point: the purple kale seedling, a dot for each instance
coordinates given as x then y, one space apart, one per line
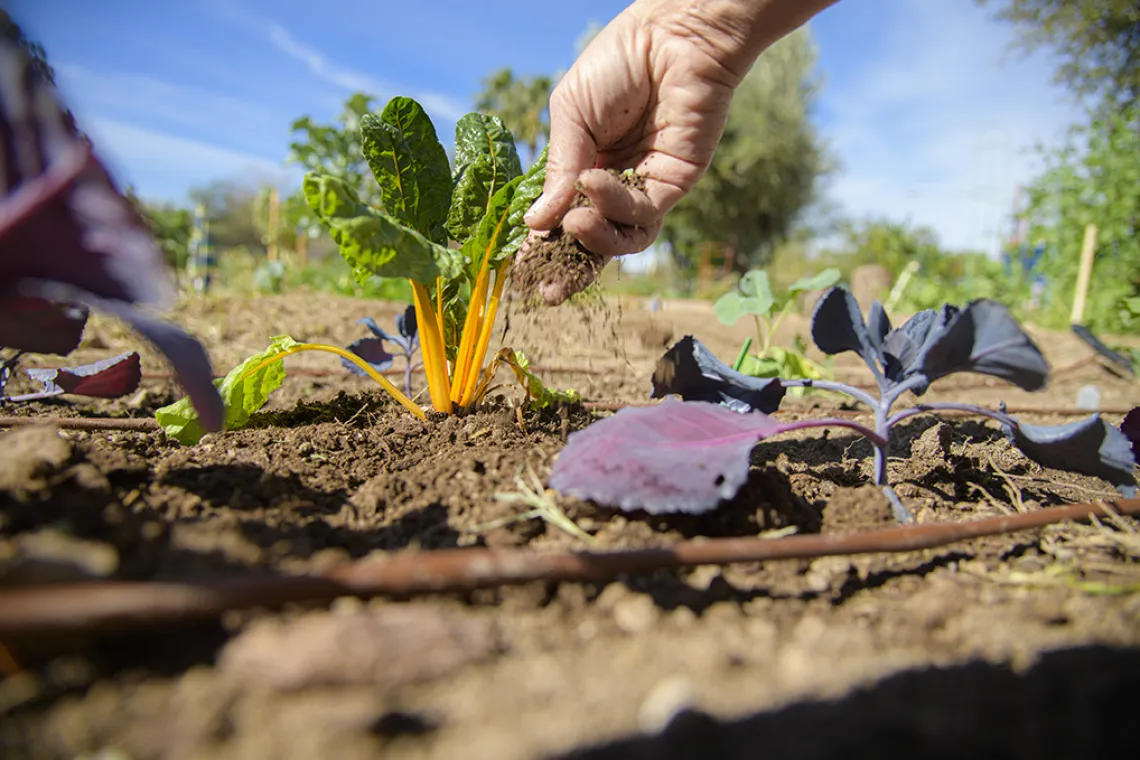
687 456
373 350
70 240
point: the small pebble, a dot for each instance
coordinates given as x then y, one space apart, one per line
1088 398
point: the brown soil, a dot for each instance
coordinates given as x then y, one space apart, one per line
559 259
1022 645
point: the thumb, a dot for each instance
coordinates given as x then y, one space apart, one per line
571 151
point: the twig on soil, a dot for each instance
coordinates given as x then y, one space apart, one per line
542 505
126 604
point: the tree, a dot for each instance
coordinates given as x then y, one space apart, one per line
171 226
334 149
1097 42
767 168
1093 180
230 207
522 103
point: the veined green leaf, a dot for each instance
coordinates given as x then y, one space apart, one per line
372 242
821 281
541 396
525 195
491 234
486 159
241 396
410 166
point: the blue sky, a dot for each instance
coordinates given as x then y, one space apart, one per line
931 116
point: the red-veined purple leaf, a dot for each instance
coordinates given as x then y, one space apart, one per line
38 326
107 378
676 456
68 235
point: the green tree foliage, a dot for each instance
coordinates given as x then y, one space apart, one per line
334 149
1093 180
523 103
767 168
170 225
230 206
1096 42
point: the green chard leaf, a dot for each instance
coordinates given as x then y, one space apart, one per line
525 195
486 159
372 242
490 235
410 166
241 396
541 396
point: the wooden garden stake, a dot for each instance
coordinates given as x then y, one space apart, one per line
1084 275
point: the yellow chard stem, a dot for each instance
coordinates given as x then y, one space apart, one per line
439 304
434 356
471 382
471 327
384 382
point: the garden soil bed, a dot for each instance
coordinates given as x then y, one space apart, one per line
1022 645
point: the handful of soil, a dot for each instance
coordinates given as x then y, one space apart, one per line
553 268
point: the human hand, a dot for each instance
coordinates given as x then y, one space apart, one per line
650 93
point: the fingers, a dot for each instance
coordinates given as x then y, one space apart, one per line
572 149
599 235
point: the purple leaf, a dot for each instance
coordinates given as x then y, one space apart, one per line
372 351
1130 426
983 338
38 326
1090 446
691 371
107 378
406 324
68 235
837 326
676 456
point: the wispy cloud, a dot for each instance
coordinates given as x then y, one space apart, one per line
939 126
356 81
192 111
164 165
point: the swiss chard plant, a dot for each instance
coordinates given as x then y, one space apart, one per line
70 241
754 297
686 456
450 231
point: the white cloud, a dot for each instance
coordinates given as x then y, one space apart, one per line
938 125
162 166
356 81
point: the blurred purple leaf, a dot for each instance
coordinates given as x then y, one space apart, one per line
107 378
68 235
691 371
676 456
1090 446
38 326
372 351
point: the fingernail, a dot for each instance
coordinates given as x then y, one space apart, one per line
536 208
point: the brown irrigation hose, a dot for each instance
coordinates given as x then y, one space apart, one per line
117 605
